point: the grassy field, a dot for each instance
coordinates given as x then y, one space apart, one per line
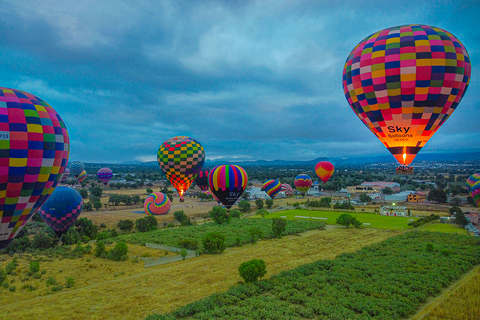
329 217
443 227
107 289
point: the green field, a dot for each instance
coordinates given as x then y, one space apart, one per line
329 217
444 227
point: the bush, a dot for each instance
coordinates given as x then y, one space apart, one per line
189 244
252 270
100 249
11 267
269 203
19 245
235 214
146 224
69 282
51 281
70 237
103 226
219 215
119 252
244 206
33 267
259 203
347 220
255 234
429 247
183 253
85 227
278 226
181 217
214 242
43 241
125 225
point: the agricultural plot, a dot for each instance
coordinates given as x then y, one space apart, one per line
388 280
329 217
444 227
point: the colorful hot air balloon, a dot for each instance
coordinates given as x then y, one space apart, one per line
34 149
475 192
76 168
404 82
105 174
471 181
272 187
324 170
62 209
65 175
287 189
202 180
227 183
157 203
303 182
181 158
82 176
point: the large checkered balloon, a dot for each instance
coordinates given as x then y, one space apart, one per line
404 82
34 149
62 209
181 158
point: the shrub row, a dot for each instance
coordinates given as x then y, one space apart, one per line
424 220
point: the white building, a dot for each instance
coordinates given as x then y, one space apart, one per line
394 211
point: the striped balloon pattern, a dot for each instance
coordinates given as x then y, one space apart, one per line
227 183
287 189
65 175
303 182
471 181
105 174
34 150
404 82
475 192
324 170
76 168
181 159
202 180
157 203
272 187
82 176
62 209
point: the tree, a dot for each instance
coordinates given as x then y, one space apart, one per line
219 215
149 191
387 190
115 199
119 252
471 202
97 205
245 195
125 225
455 201
85 227
181 217
252 270
244 206
183 253
43 241
235 213
100 249
88 206
146 224
438 195
364 197
71 237
278 226
347 220
269 203
460 219
255 234
214 242
83 193
259 204
325 202
96 191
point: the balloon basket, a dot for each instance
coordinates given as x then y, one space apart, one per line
182 200
404 170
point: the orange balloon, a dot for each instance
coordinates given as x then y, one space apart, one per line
324 170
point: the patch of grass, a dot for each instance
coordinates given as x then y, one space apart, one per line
444 227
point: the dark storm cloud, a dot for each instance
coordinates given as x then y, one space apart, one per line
249 79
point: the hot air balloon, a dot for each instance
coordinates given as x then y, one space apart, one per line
287 189
324 170
62 209
157 203
404 82
105 174
76 168
34 149
303 182
471 181
272 187
202 180
65 175
475 192
181 158
82 176
227 183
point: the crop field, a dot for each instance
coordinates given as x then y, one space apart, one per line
329 217
443 227
106 289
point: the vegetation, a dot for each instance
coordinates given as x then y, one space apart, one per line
438 195
259 203
181 217
424 220
348 220
244 206
214 242
269 203
219 215
125 225
278 227
252 270
146 224
381 281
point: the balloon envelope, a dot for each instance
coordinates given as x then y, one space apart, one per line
157 203
475 191
471 181
76 168
227 183
303 182
287 189
404 82
272 187
202 180
82 176
62 209
181 159
324 170
105 174
34 148
65 175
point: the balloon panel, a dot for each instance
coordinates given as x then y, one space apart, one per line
76 168
303 182
105 174
287 189
34 149
404 82
227 183
181 158
471 181
324 170
272 187
62 209
157 203
82 176
202 180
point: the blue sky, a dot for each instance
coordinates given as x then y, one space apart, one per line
250 80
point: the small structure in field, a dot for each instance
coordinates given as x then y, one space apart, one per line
394 211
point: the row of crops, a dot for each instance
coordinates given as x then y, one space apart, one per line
388 280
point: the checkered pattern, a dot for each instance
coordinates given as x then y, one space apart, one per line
65 175
181 158
105 174
272 187
411 76
324 170
62 209
157 203
303 182
471 181
82 176
287 189
475 192
34 149
76 168
202 180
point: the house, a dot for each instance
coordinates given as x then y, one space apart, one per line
394 211
417 197
398 197
378 186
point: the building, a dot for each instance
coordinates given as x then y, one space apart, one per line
375 187
398 197
474 217
417 197
394 211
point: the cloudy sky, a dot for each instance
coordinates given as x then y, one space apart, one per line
248 79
